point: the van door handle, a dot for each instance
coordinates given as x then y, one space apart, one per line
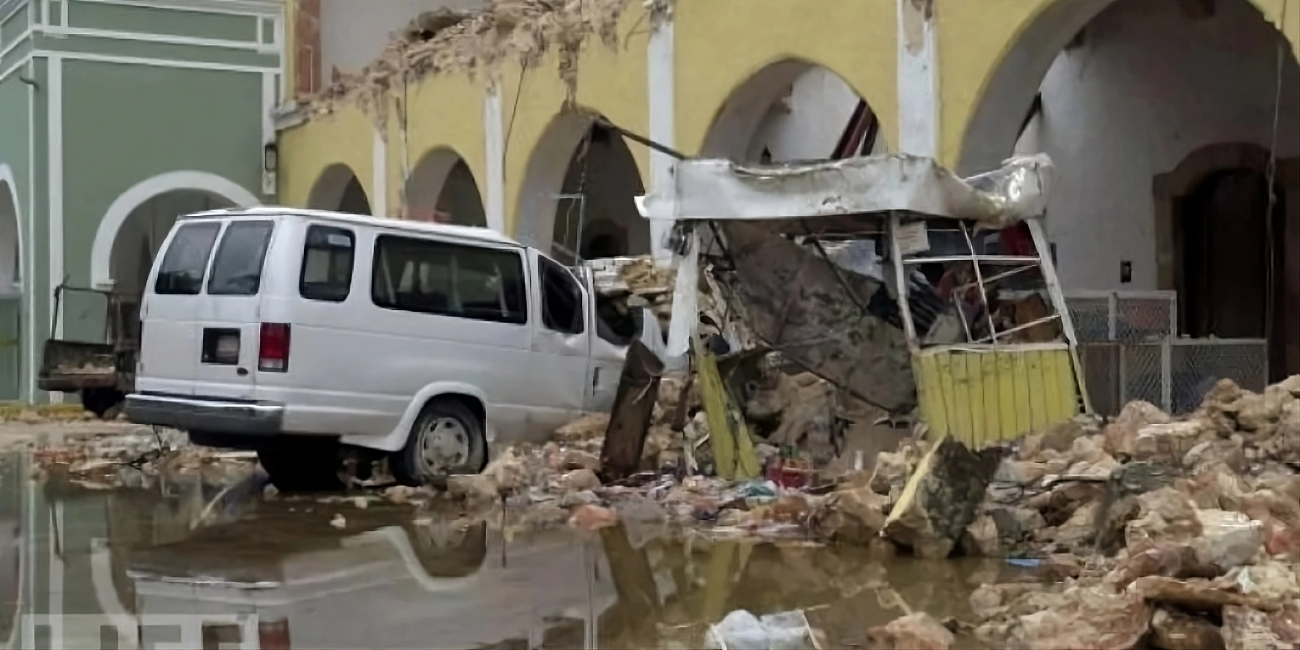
242 372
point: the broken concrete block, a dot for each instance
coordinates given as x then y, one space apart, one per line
1196 594
474 488
890 473
1175 630
1205 455
981 538
1167 443
851 516
1246 628
1164 515
941 498
1227 540
591 517
912 632
1084 619
1016 523
1019 472
1121 434
579 480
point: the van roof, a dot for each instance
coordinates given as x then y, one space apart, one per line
470 233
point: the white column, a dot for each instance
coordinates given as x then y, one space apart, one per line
495 147
918 84
379 178
55 197
663 123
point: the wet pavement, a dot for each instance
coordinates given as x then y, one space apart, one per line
187 563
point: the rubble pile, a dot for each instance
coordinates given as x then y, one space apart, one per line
446 41
136 457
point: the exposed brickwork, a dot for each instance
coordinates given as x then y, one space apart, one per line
307 48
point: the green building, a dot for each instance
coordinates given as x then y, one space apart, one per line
116 116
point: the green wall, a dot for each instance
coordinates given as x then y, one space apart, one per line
14 154
162 120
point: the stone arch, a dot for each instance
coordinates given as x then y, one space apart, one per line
13 358
442 184
1006 95
792 109
218 192
572 146
11 239
339 188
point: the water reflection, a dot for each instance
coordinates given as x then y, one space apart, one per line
196 565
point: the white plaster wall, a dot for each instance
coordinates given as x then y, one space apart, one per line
808 123
355 32
1147 87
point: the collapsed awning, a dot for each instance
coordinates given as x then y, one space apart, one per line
724 190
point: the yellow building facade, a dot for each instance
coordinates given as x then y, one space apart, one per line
949 66
968 82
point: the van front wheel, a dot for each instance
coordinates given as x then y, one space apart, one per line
447 438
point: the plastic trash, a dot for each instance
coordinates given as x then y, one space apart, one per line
741 630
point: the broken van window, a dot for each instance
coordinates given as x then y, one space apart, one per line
186 259
237 270
435 277
561 299
327 264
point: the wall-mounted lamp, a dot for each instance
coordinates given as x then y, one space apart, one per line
30 82
271 158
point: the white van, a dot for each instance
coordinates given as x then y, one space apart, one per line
292 331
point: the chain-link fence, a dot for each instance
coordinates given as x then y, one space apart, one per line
1123 316
1173 374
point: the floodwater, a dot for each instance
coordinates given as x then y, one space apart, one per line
186 565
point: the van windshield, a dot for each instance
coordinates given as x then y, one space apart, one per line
186 260
237 269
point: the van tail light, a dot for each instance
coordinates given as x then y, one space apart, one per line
273 348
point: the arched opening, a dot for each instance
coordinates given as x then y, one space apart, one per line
585 207
1120 94
339 189
10 293
442 188
141 235
793 110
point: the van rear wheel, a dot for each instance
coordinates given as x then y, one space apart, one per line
302 468
447 438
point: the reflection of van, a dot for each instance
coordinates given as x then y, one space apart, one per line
287 331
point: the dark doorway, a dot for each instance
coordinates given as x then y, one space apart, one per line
354 198
1232 262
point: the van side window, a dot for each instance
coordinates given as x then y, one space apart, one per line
186 259
561 298
237 269
433 277
327 264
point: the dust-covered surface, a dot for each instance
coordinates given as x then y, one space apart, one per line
1148 531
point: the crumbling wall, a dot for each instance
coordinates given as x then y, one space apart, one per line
445 41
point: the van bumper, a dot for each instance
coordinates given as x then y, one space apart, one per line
206 415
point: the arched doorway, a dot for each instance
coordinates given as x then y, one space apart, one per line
339 189
11 293
578 194
1118 92
141 235
793 110
442 188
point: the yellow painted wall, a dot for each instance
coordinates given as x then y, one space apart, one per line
306 151
445 112
721 43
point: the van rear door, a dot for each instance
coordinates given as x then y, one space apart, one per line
229 326
167 364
